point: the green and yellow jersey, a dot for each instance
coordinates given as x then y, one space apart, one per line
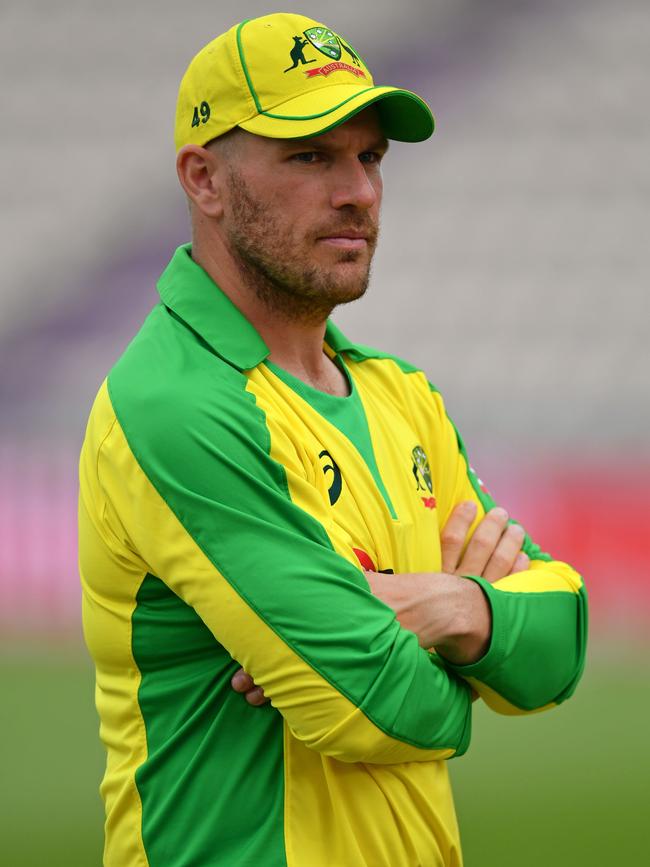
227 511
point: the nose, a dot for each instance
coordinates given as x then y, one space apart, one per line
353 186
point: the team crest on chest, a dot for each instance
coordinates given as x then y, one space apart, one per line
422 476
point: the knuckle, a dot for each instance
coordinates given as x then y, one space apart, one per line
482 542
500 561
516 532
452 537
497 515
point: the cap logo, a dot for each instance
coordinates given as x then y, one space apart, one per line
334 67
296 54
329 44
325 41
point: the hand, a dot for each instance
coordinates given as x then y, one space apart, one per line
494 549
451 614
243 682
493 552
444 610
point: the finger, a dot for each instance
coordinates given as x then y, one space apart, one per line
256 696
521 563
483 543
241 681
454 534
502 561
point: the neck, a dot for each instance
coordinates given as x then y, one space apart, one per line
294 344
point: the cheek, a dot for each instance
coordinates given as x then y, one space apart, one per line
296 211
378 186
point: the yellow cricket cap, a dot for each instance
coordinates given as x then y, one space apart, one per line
287 76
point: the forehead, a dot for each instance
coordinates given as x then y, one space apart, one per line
365 124
361 131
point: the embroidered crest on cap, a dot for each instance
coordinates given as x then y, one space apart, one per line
329 44
325 41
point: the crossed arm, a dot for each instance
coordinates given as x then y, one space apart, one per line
443 609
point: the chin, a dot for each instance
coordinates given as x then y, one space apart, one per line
344 293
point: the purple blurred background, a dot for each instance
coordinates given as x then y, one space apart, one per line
513 266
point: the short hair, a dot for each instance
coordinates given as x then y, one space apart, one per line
225 145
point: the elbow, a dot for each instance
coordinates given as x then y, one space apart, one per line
545 686
355 738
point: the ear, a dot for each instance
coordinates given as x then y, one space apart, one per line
200 172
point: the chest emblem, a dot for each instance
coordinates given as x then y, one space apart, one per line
422 476
332 475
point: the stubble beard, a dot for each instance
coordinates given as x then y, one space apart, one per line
272 266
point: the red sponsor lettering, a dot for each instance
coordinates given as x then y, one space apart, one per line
429 502
365 560
335 66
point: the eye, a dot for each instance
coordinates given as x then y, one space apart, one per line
370 157
306 157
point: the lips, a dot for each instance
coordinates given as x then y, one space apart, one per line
348 233
346 243
354 239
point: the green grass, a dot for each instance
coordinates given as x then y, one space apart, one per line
50 811
569 787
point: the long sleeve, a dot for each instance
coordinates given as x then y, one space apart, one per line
539 617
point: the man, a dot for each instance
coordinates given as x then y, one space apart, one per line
266 505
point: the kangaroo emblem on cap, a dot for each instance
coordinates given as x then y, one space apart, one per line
296 54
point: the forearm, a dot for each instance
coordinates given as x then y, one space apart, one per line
445 611
538 645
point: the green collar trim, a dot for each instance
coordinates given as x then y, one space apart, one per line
335 338
195 298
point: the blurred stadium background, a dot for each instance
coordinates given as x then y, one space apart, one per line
514 269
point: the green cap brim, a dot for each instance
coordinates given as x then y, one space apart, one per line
402 114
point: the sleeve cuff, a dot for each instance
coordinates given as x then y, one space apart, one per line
492 659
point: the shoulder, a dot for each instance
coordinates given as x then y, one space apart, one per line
361 354
171 393
393 374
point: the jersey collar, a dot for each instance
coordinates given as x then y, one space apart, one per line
335 338
195 298
187 290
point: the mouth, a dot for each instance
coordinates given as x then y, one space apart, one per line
345 243
347 239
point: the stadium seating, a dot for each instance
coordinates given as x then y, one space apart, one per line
513 266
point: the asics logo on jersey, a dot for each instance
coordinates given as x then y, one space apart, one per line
335 480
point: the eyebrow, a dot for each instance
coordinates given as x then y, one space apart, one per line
316 142
381 144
